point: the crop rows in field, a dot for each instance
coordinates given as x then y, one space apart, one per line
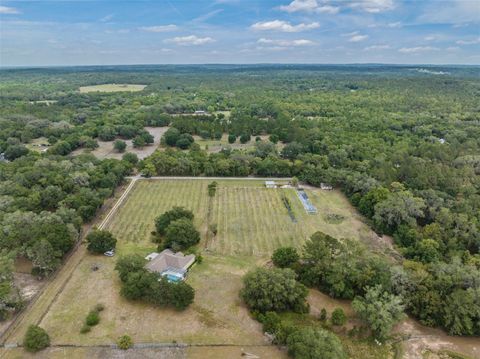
250 219
134 220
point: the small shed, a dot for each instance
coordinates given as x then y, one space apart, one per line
270 184
325 187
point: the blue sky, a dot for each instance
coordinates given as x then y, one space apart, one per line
91 32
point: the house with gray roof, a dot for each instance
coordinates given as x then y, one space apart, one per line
169 264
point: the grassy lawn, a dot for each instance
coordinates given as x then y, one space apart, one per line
251 219
112 88
213 145
38 144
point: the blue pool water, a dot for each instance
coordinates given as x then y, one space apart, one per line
173 278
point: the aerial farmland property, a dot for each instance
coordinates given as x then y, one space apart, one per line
160 199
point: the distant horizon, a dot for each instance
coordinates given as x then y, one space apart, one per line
242 64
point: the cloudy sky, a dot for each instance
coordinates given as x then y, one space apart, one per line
88 32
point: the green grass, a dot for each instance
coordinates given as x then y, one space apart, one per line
112 88
251 219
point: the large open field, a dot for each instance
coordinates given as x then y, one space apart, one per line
112 88
251 219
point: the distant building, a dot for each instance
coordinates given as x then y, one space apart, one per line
270 184
200 112
169 264
325 186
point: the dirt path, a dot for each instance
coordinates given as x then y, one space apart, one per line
421 338
433 339
42 302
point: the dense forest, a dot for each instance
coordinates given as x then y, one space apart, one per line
402 142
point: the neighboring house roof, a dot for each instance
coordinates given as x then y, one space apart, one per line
168 260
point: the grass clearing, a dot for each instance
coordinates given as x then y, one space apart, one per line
213 145
112 88
105 148
38 144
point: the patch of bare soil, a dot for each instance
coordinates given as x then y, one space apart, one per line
28 285
420 339
423 339
105 148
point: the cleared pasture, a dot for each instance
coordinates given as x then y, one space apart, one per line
105 148
112 88
251 219
213 145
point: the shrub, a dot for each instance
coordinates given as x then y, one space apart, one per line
170 137
129 264
232 139
183 143
273 290
119 145
181 234
379 309
85 329
36 339
323 315
273 138
99 307
310 343
162 221
92 318
130 157
182 295
285 257
244 138
338 317
125 342
270 321
100 241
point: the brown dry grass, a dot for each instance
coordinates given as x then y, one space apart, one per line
112 88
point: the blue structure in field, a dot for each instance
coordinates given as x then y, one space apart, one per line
309 207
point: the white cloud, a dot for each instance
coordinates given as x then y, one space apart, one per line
159 28
355 36
372 6
107 18
299 42
469 42
452 48
430 38
310 6
190 40
413 50
334 6
376 47
394 25
8 10
207 16
283 26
